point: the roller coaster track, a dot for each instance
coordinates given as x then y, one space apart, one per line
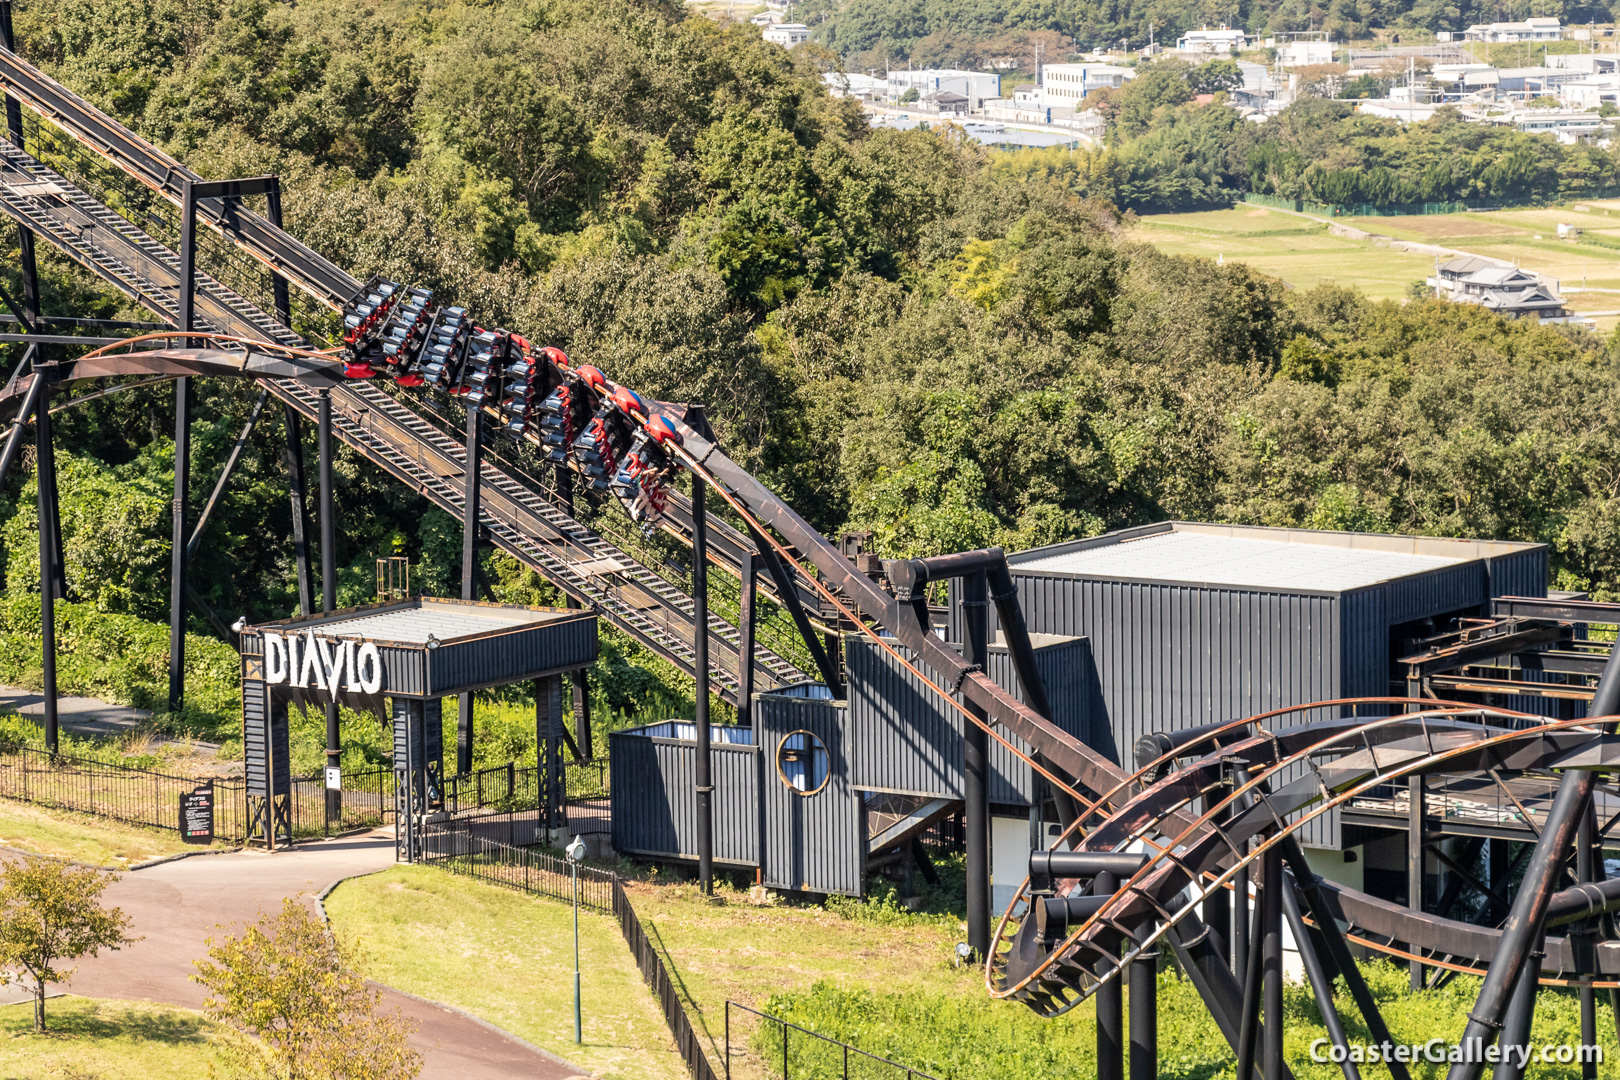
1202 822
1194 854
414 450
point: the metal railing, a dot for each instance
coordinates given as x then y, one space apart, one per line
826 1057
518 868
662 986
145 797
119 792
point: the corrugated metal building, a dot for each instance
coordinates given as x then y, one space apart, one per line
1191 624
906 740
653 782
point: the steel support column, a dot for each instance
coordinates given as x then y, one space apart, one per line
1321 982
700 667
1109 996
182 454
1144 995
1271 906
582 688
334 745
747 582
1415 843
1581 938
470 490
1249 1016
976 766
300 511
1240 895
50 554
1520 1016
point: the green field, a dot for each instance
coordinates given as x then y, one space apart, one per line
1301 252
1295 249
89 1038
40 831
508 958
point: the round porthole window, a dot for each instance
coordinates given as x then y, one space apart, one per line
801 762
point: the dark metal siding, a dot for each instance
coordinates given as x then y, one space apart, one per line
1523 573
905 738
264 726
654 801
815 843
1170 657
512 656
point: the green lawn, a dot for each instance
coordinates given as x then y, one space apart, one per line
508 958
81 837
1299 251
878 978
89 1039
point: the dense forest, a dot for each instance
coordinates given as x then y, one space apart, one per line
900 331
927 33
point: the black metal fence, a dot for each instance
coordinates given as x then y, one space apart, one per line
145 797
808 1056
135 796
663 987
517 868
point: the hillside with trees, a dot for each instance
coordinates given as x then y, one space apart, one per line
900 331
975 33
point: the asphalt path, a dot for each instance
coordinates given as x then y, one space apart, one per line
176 906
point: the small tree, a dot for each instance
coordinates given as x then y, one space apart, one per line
288 984
51 911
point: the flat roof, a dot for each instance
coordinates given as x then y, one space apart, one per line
409 622
1255 557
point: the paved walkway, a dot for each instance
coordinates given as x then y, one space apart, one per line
88 716
177 905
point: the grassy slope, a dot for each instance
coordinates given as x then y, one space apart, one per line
88 1038
509 959
78 836
883 980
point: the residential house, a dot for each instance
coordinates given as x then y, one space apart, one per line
1510 290
1205 42
1540 29
787 34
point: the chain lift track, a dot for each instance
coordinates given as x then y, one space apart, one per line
519 519
1199 814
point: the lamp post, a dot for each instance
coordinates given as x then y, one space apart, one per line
576 852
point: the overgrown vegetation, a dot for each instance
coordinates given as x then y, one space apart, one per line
970 1037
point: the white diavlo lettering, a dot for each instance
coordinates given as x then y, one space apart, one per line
275 659
310 662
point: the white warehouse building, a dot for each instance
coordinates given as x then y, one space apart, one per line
976 86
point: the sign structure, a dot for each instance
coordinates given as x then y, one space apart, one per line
197 815
309 661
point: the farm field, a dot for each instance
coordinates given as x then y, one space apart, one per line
1301 252
1295 249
